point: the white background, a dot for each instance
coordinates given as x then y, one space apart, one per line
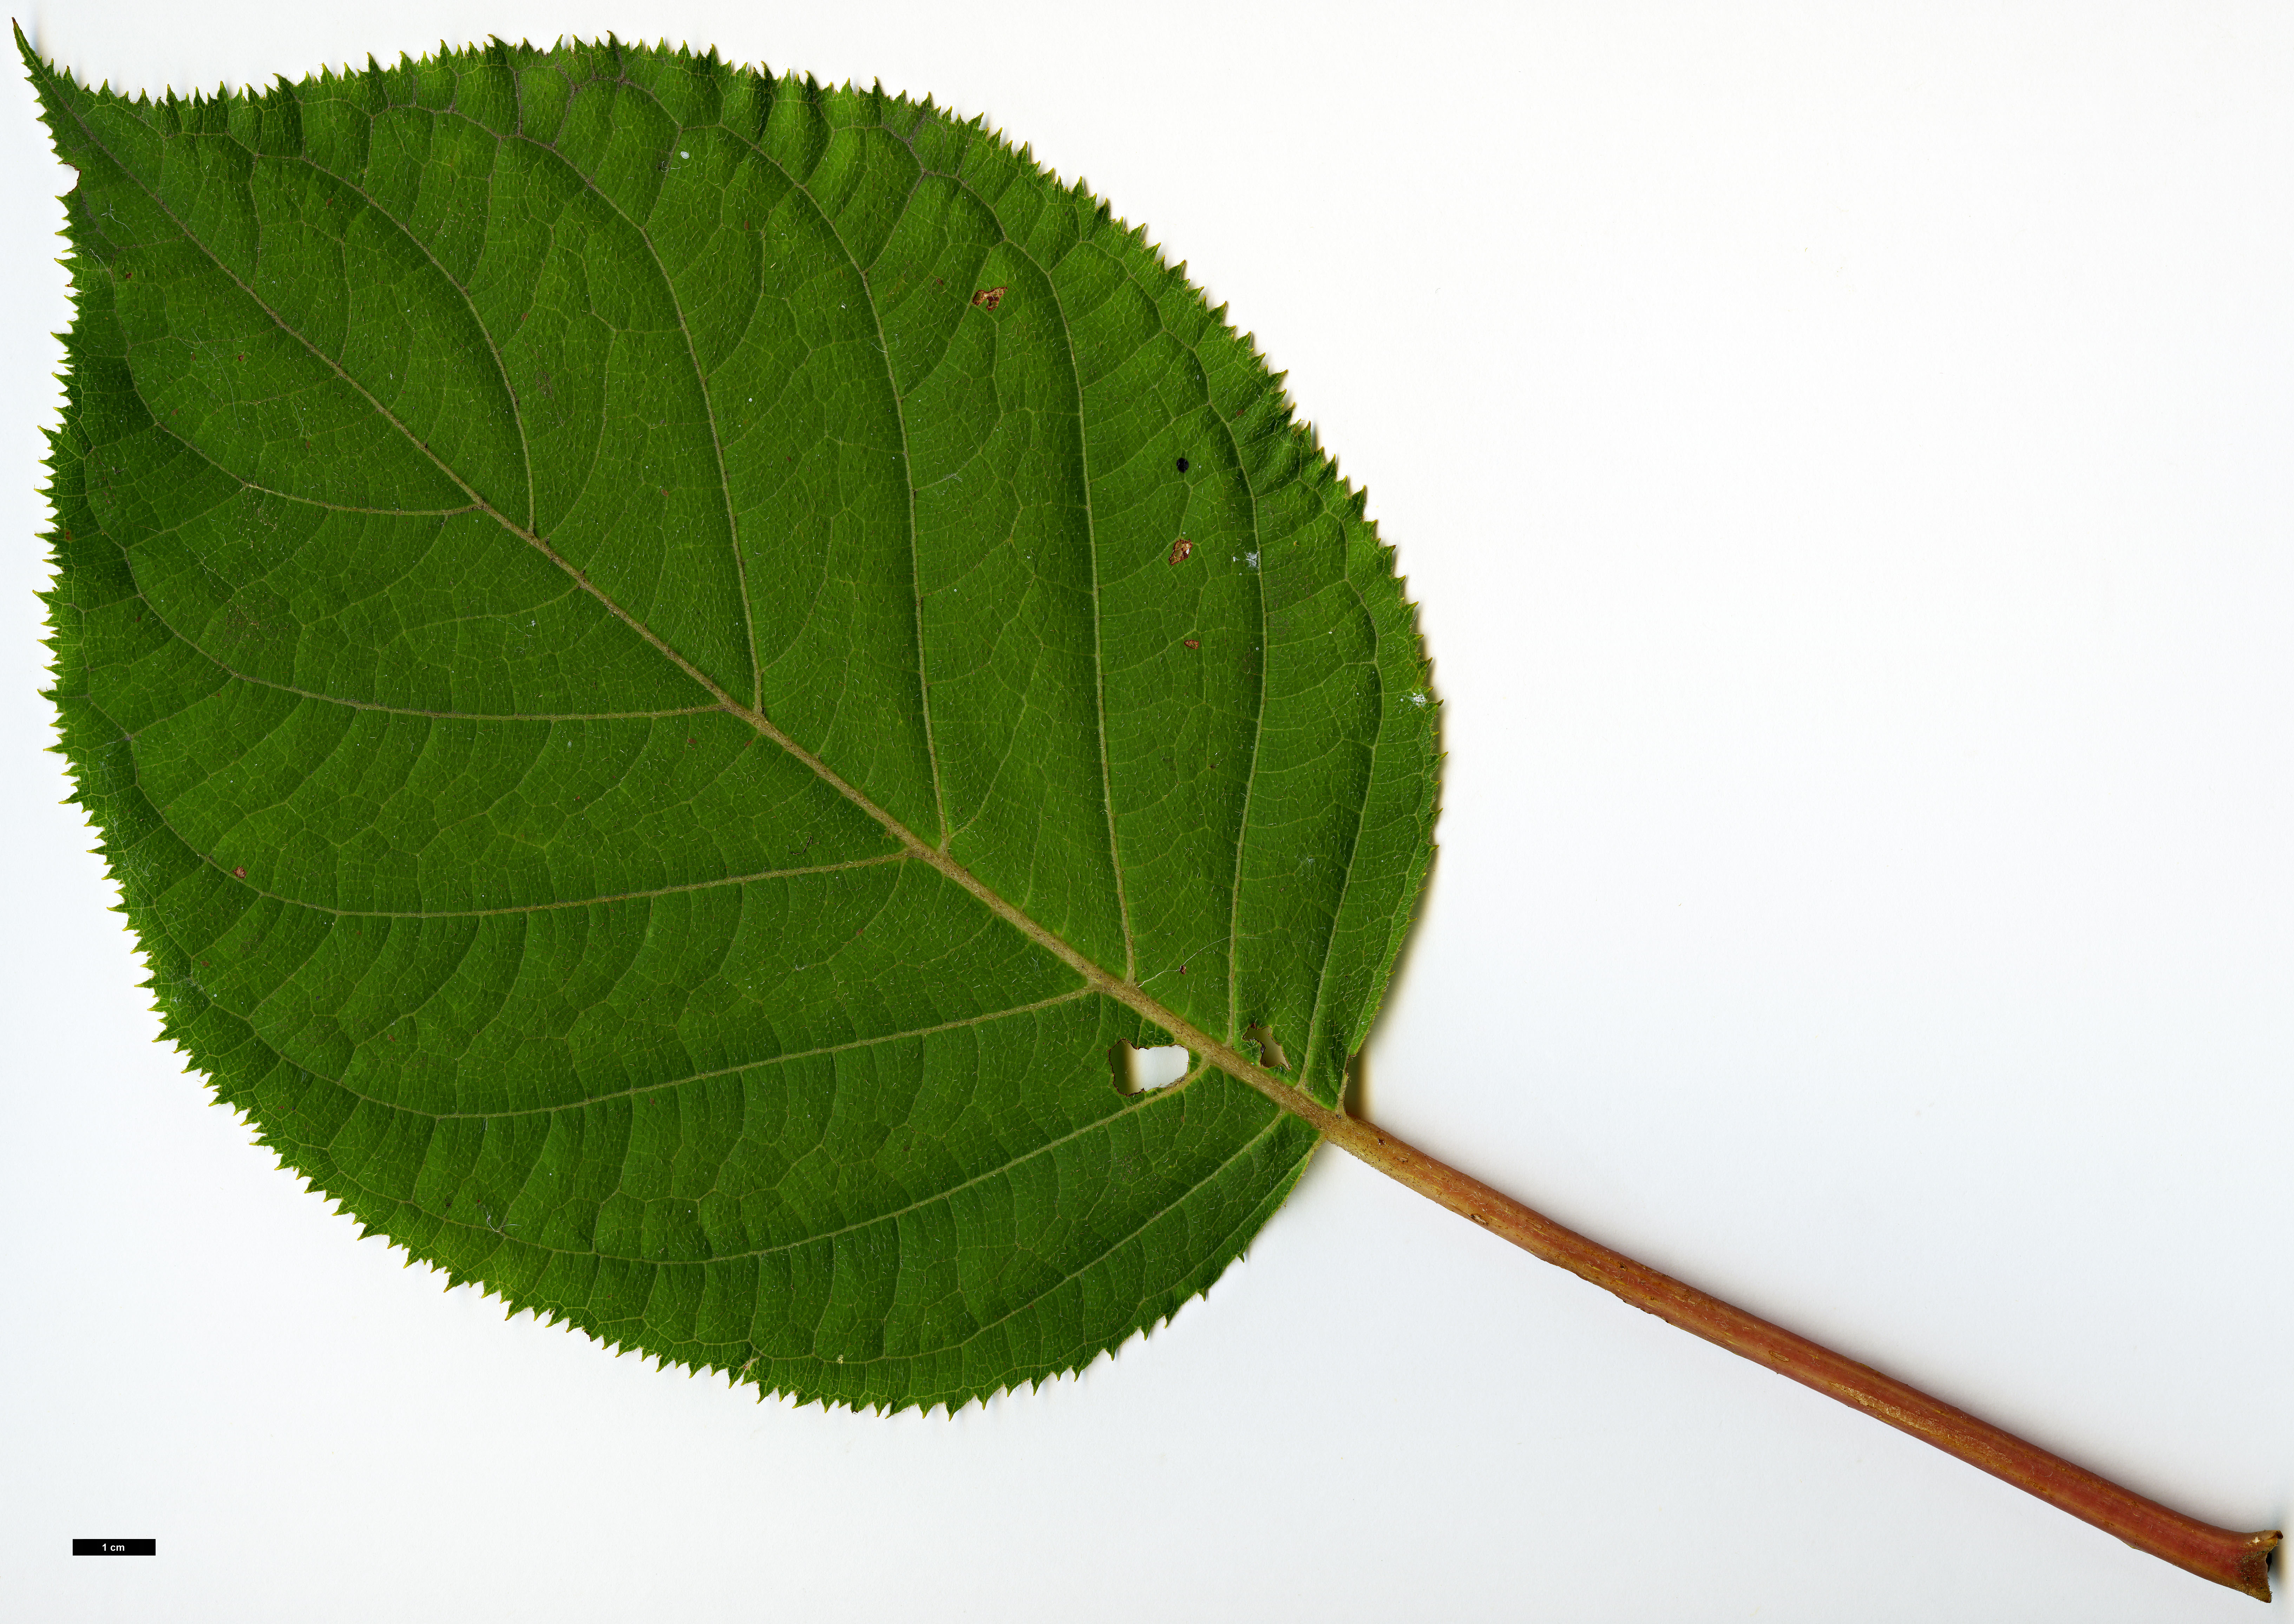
1843 456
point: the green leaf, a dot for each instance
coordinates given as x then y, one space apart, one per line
669 661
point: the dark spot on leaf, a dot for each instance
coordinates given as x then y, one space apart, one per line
1183 969
1179 549
988 298
1192 642
239 873
1183 465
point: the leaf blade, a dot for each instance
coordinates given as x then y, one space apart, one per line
643 981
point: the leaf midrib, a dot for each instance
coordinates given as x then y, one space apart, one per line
1291 1097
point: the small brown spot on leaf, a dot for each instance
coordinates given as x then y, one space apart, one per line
988 298
239 873
1179 549
1183 969
1192 642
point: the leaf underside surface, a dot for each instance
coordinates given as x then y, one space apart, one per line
668 659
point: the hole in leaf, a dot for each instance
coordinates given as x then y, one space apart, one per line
1270 1053
1143 1071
